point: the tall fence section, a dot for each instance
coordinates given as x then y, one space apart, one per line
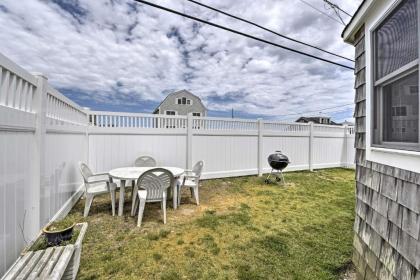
43 135
229 147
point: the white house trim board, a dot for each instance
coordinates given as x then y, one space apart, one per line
357 21
407 160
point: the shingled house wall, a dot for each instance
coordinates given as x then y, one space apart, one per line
387 224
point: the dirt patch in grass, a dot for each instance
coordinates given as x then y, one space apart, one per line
243 229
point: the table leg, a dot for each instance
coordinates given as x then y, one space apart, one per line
121 203
175 194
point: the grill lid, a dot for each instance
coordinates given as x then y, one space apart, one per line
278 156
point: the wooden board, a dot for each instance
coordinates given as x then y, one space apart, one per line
44 264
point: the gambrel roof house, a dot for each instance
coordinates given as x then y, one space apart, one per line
181 102
385 34
317 120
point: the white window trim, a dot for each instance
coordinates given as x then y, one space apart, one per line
404 159
176 113
201 114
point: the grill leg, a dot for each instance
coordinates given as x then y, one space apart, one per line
267 180
282 177
278 179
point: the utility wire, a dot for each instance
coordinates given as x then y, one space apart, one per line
335 6
330 113
316 111
243 34
325 14
328 5
269 30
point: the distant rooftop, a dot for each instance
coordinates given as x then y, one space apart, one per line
317 120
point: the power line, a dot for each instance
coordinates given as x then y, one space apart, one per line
316 111
325 14
331 113
340 112
241 33
269 30
335 6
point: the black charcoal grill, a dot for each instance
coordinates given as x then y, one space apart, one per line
278 161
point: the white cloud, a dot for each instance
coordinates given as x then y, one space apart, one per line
118 51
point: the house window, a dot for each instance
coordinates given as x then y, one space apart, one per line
183 101
170 113
396 80
399 111
196 114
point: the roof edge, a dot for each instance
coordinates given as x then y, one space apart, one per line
356 22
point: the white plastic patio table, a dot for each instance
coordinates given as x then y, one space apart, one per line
133 173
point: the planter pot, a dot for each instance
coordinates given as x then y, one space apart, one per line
55 237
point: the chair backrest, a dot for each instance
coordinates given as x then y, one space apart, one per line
145 161
198 168
85 170
155 181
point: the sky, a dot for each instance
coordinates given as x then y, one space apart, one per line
118 55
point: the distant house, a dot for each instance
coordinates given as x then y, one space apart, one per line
181 102
348 123
317 120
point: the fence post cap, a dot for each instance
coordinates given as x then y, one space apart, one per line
39 74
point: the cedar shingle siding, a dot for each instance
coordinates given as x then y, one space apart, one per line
387 225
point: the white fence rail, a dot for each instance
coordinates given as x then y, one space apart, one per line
43 135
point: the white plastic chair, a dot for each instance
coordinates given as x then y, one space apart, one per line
152 186
96 184
192 181
145 161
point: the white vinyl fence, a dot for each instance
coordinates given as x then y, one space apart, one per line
43 135
229 147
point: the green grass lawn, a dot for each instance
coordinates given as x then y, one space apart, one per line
243 229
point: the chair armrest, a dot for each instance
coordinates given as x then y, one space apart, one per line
189 173
101 174
192 176
98 181
99 177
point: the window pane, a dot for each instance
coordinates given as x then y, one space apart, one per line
397 39
401 110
